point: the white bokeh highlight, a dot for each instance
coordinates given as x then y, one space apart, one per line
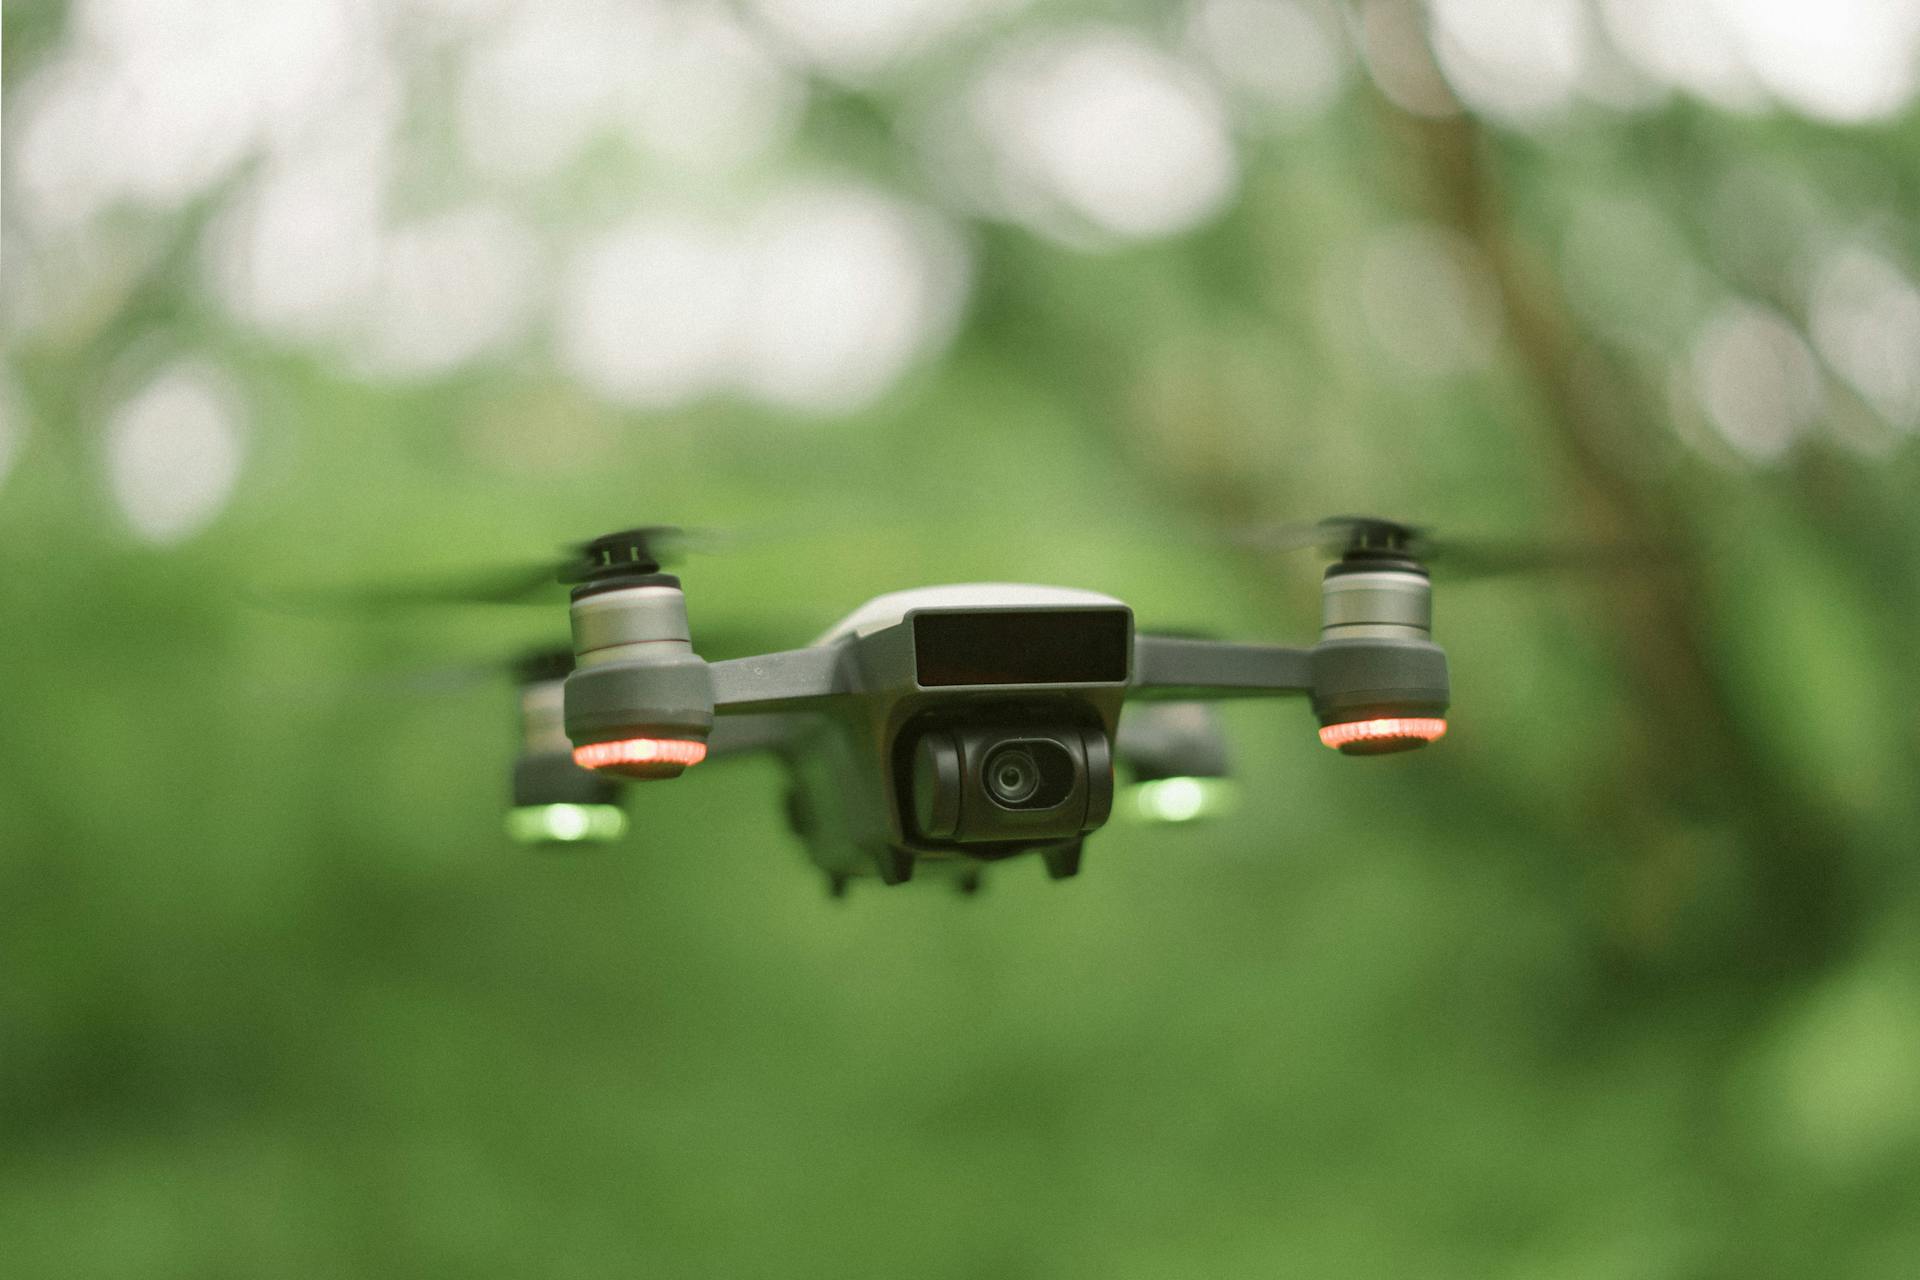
153 100
817 297
539 85
1756 380
1864 318
818 301
846 287
1287 56
690 86
1517 63
298 254
173 452
715 99
857 40
1095 134
1684 45
450 289
647 309
1841 61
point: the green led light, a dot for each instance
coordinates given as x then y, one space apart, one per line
566 823
1182 799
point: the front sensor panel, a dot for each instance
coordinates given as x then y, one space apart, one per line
1021 646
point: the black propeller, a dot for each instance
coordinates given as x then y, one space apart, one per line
617 555
1361 538
636 552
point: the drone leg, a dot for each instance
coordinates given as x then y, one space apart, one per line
896 865
968 884
837 884
1062 861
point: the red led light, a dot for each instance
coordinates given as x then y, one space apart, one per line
1409 731
630 753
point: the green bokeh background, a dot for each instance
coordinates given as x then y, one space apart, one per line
1618 981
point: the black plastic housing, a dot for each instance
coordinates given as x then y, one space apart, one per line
952 800
553 778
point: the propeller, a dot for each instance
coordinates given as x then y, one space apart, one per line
1360 537
617 555
637 551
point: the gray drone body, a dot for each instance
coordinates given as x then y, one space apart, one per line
953 727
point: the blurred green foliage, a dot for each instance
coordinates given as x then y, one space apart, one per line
1619 981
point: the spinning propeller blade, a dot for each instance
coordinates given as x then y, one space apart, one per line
641 550
1358 537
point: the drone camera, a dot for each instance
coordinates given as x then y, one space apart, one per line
998 783
1035 773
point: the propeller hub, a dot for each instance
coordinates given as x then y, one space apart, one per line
1368 543
628 558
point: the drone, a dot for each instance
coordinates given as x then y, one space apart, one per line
941 730
1174 756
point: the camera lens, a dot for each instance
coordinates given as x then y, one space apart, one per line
1012 775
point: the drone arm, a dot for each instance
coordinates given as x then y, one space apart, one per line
792 680
1181 668
736 735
